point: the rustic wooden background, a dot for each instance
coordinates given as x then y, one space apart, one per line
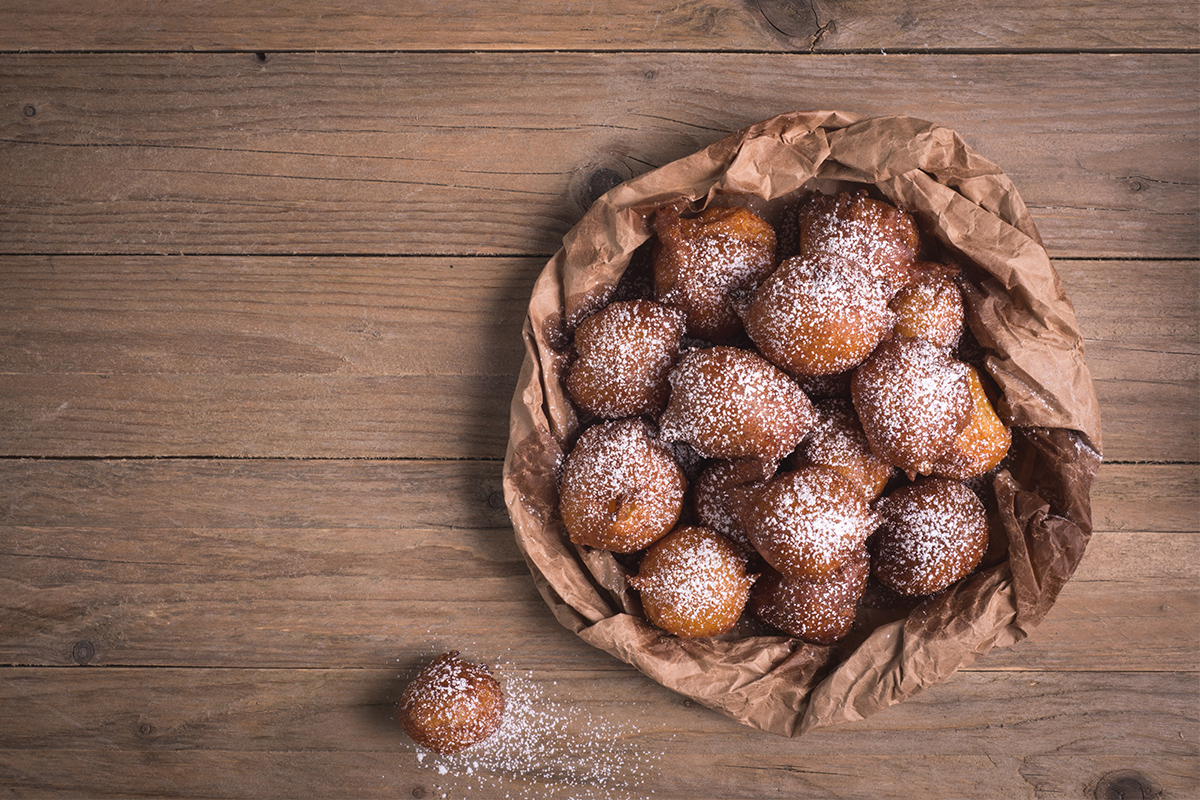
263 268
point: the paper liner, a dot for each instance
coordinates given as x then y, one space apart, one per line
1017 310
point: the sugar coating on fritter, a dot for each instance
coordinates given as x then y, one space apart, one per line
821 613
451 705
730 403
625 352
719 494
982 445
819 315
912 399
621 490
873 234
934 532
837 441
693 583
809 522
930 307
700 262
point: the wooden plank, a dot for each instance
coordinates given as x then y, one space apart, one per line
825 25
410 153
415 356
287 564
578 733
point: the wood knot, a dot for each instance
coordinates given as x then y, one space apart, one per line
29 111
418 792
1126 784
589 183
83 652
804 20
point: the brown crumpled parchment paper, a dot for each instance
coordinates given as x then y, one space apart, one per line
1017 309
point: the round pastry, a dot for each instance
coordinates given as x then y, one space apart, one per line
819 315
720 493
934 532
981 445
931 306
809 522
451 705
874 235
693 583
699 262
913 400
821 613
625 352
730 403
621 490
838 441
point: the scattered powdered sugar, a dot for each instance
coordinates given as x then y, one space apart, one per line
545 748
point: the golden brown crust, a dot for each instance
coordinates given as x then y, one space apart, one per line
621 490
700 262
693 583
982 445
809 522
878 237
930 307
913 400
451 705
819 315
821 613
730 403
934 532
625 352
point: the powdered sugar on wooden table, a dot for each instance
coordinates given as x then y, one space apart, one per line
545 748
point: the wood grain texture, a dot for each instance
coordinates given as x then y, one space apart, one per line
415 356
407 153
1031 734
328 563
711 25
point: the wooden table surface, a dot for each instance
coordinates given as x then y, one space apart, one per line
263 268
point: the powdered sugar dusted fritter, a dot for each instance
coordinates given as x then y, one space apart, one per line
934 532
693 583
819 315
931 306
621 490
878 237
838 441
451 705
982 445
809 522
699 262
625 352
730 403
821 613
912 399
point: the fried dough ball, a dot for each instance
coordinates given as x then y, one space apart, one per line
693 583
809 522
730 403
931 306
699 262
819 315
625 352
934 532
981 445
720 493
821 613
838 441
873 234
451 705
621 490
913 400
